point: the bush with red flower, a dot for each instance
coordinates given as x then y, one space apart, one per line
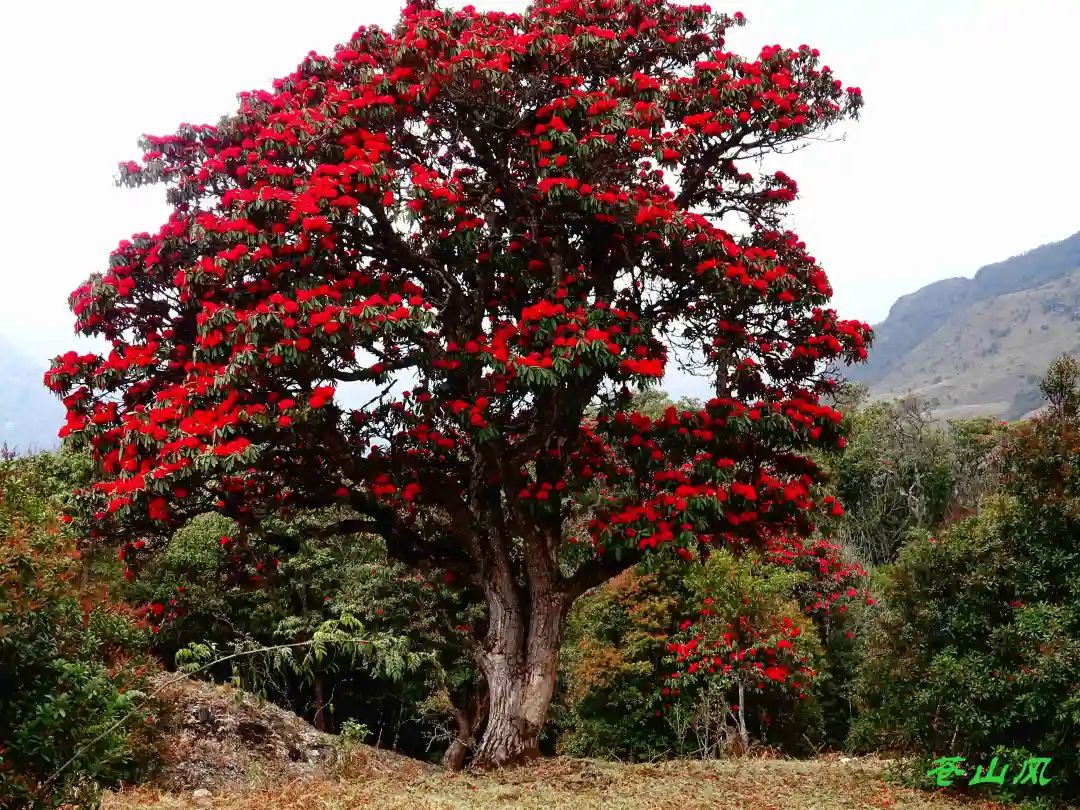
733 652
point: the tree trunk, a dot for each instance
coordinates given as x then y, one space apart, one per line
519 666
454 758
469 717
320 705
509 737
744 736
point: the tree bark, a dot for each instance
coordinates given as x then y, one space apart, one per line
520 664
456 754
469 717
458 751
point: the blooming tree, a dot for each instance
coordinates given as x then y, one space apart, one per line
747 638
504 222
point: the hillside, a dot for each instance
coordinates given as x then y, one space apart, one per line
29 414
979 345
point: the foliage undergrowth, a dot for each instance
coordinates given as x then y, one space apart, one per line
71 661
976 654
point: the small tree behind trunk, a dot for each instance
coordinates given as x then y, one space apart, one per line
320 704
470 714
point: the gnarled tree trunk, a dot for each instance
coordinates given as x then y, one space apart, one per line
527 600
519 664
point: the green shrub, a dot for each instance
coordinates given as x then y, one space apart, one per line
222 593
976 652
70 670
616 643
903 471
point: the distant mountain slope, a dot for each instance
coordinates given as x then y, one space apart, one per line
979 345
29 415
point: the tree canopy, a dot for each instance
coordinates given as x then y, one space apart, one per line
502 224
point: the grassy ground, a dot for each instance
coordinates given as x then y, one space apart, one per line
562 784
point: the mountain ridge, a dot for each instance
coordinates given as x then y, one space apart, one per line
927 342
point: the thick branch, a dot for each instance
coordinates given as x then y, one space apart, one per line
596 572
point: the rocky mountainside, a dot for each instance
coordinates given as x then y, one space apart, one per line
979 345
29 414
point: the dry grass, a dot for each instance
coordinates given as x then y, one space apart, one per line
254 756
561 784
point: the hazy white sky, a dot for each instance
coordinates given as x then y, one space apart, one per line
965 154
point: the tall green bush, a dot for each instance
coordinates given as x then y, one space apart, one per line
208 596
904 471
70 658
976 652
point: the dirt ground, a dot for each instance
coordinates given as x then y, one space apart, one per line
377 781
225 749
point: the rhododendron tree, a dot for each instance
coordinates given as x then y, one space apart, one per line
499 221
747 637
